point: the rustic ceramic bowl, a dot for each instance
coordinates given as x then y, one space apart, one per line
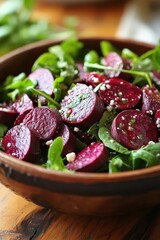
91 194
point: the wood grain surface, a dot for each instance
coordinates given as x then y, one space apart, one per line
22 220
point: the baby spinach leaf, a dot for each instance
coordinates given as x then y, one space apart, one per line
55 161
106 138
106 119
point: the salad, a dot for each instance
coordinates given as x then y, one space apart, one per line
83 110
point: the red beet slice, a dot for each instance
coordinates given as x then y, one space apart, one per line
133 129
44 80
20 142
150 100
114 60
157 119
8 114
90 158
69 140
81 107
120 94
94 79
90 78
44 121
20 118
82 72
23 103
156 77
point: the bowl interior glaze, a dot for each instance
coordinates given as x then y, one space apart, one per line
91 194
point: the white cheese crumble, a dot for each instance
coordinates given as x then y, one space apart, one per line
71 157
8 144
49 142
103 87
76 129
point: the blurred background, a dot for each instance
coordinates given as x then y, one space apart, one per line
26 21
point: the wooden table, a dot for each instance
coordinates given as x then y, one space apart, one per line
22 220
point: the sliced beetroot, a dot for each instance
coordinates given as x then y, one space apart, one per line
90 158
120 94
8 114
82 72
23 103
20 142
94 79
90 78
69 140
150 100
133 129
81 107
44 80
114 60
156 77
157 119
20 118
44 121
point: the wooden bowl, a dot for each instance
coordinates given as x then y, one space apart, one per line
92 194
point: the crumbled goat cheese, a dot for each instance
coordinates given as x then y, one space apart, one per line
71 157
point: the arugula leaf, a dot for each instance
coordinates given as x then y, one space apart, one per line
37 92
119 163
16 85
107 47
93 130
105 121
127 53
55 161
150 154
95 66
72 47
47 60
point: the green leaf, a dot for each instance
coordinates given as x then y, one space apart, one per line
150 154
127 53
38 92
47 60
119 163
106 138
107 118
96 66
55 161
28 4
72 46
93 130
3 130
106 48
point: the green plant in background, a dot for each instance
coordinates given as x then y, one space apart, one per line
17 28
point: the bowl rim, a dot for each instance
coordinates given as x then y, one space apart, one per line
39 171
